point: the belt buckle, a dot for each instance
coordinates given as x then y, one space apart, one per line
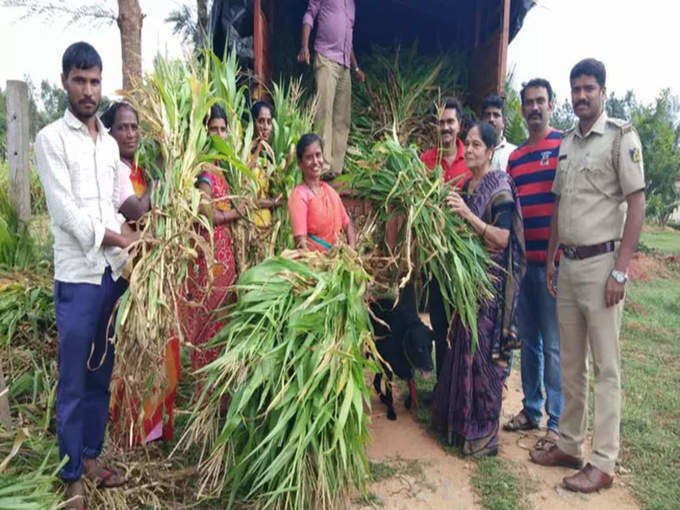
569 252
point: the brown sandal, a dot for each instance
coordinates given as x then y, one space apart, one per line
519 422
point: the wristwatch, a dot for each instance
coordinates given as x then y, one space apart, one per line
619 276
356 69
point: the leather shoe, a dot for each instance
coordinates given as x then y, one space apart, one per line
589 479
553 456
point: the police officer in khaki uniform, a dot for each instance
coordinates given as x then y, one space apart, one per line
597 218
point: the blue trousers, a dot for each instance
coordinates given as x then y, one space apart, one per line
83 311
537 324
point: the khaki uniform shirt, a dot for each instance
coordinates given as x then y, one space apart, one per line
592 186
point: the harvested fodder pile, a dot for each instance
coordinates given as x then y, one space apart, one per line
402 91
431 239
293 364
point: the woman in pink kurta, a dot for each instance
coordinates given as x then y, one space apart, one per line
317 214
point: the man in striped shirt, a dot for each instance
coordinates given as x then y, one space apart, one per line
532 165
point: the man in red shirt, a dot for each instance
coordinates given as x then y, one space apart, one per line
450 152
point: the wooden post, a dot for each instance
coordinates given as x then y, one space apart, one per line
5 416
17 148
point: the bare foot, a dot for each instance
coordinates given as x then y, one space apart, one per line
75 496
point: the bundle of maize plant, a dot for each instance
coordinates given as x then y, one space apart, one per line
172 104
292 119
293 362
401 91
431 237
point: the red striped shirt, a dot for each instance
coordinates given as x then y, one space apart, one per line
533 169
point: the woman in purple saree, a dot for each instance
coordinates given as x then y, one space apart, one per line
467 399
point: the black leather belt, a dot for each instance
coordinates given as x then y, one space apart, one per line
584 252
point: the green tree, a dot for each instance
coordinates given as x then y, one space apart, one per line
563 117
660 137
191 24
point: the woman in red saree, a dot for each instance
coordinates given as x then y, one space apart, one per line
317 214
202 302
123 124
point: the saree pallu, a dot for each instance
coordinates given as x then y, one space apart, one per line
467 401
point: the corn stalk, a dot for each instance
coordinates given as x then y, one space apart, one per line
172 104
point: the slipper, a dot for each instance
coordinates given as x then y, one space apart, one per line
519 422
545 443
107 478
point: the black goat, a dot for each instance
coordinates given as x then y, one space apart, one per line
405 346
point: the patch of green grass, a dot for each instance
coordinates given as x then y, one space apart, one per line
498 484
650 424
369 499
381 470
662 240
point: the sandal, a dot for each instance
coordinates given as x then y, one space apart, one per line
547 441
519 422
105 477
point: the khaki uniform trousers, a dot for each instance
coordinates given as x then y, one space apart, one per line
334 96
586 323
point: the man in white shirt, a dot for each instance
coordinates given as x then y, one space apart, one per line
493 112
77 161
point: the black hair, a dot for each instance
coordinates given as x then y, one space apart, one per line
80 55
537 82
453 103
487 133
305 141
108 118
216 112
589 67
494 101
255 110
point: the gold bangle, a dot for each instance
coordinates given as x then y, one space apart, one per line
484 231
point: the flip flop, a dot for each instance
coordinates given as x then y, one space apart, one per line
545 443
519 422
105 478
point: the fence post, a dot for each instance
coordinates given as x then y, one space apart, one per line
17 148
5 416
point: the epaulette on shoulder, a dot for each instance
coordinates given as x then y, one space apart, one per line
625 126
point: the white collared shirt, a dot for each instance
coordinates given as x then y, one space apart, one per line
81 183
501 154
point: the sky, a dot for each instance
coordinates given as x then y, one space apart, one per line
636 41
34 47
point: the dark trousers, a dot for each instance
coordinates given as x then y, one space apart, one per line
83 311
440 325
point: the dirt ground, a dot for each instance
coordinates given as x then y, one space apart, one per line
425 476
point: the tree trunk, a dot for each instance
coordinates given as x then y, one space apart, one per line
130 25
202 23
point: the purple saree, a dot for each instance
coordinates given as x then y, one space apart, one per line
467 399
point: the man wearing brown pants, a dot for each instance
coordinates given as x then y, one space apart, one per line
332 60
597 217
